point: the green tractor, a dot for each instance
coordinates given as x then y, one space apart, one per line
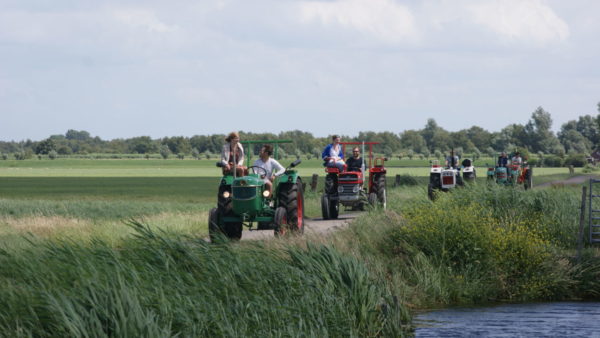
245 201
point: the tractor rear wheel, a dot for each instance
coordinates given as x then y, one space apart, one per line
291 197
325 206
373 199
280 221
381 191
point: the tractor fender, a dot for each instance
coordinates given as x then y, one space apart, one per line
289 178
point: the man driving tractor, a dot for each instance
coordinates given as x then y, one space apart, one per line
355 163
271 166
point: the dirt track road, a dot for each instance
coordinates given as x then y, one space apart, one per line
312 226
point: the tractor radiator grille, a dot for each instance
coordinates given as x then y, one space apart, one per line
244 193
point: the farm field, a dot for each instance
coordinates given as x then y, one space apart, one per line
144 220
187 168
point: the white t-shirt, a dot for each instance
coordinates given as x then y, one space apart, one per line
517 160
334 154
270 166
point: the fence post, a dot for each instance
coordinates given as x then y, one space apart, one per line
571 169
313 183
581 224
397 182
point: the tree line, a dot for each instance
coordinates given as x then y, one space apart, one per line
578 136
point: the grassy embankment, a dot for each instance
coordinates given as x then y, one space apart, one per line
475 245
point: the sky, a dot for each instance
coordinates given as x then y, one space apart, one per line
127 68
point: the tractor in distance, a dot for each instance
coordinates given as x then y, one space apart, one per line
511 174
245 200
347 187
445 178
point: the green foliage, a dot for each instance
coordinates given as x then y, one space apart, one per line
4 156
165 151
406 180
52 154
553 161
576 160
161 285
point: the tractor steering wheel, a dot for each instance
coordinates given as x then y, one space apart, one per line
260 168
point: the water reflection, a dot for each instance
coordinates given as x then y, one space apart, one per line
564 319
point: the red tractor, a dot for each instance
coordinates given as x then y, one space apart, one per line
347 187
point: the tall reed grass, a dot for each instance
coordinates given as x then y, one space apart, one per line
157 284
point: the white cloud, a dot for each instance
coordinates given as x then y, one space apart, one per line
521 20
383 19
139 18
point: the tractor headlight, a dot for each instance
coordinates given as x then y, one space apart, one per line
340 189
226 194
355 189
266 193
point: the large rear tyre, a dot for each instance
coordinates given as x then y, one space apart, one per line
381 192
280 222
373 199
325 206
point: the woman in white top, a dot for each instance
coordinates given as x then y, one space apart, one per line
233 152
271 166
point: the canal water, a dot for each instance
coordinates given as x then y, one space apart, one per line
561 319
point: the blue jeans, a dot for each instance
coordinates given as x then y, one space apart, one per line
338 164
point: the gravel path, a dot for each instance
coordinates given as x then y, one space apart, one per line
311 226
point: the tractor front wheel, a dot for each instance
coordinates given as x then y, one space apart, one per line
334 209
373 199
213 224
325 206
430 192
280 221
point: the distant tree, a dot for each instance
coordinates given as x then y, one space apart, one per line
44 147
539 135
181 156
52 154
438 154
490 152
476 154
298 153
165 151
196 153
410 153
147 156
4 156
387 151
80 135
19 156
426 153
207 155
412 139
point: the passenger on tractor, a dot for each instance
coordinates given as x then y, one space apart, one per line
452 162
333 154
233 152
270 165
517 160
355 163
503 160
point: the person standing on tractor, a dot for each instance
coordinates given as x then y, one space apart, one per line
333 154
233 152
271 166
503 160
355 163
517 160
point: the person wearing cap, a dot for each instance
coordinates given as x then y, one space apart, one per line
233 152
333 154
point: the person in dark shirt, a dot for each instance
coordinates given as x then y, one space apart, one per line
355 162
503 160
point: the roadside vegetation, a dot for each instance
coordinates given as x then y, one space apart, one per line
127 256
